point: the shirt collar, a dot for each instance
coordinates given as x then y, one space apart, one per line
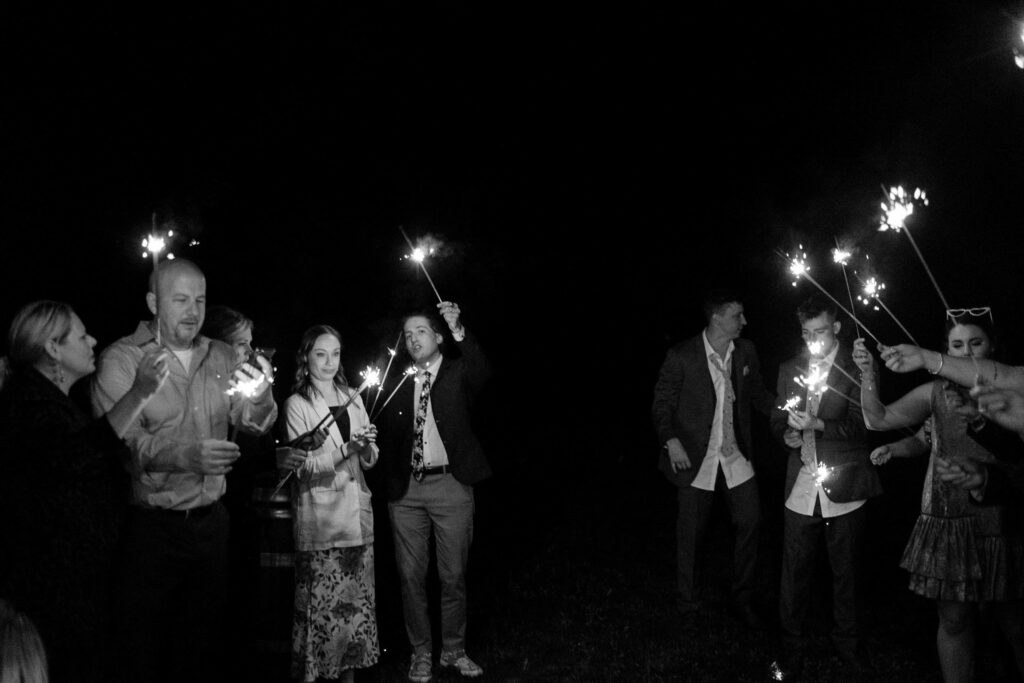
710 350
432 368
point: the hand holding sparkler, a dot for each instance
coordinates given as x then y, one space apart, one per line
1005 407
211 456
881 455
450 312
802 419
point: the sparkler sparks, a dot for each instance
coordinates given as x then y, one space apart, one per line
371 376
419 253
841 256
791 403
872 290
899 207
821 474
798 268
816 347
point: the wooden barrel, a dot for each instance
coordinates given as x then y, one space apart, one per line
275 592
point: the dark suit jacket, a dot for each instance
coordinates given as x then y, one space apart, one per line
452 395
685 402
842 445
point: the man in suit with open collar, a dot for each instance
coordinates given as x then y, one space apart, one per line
702 401
431 460
828 479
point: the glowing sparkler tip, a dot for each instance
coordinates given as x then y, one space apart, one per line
841 256
872 287
247 388
371 376
815 347
418 254
821 474
154 244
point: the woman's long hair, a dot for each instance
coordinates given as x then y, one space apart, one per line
303 385
223 323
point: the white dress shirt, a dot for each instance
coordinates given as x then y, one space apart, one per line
737 469
434 454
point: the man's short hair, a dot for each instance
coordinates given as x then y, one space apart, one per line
433 320
169 267
814 306
717 299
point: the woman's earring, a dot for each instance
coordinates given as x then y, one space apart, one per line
57 371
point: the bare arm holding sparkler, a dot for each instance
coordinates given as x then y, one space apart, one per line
1005 407
967 372
908 447
910 410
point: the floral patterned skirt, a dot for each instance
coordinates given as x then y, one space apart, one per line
335 625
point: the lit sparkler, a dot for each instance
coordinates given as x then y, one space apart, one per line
821 474
898 207
791 403
872 290
418 255
392 352
409 372
798 268
842 257
154 244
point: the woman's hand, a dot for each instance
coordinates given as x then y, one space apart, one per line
152 372
294 459
862 357
881 455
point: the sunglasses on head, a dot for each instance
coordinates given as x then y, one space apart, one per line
954 313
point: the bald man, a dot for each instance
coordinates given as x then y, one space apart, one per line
173 575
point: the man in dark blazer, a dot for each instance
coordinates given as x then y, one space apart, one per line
828 480
432 459
701 411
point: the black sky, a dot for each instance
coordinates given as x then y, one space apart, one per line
591 169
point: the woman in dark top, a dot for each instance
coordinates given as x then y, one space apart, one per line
63 489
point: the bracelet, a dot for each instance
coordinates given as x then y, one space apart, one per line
942 360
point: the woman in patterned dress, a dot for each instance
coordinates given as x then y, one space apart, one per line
960 553
335 624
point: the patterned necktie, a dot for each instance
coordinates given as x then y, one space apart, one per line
809 449
728 433
421 420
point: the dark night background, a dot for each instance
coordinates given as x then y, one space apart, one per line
589 170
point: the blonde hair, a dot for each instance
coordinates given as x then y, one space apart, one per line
34 325
22 655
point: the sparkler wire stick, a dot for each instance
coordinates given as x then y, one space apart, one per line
885 308
927 270
841 257
391 396
824 291
156 282
384 377
420 262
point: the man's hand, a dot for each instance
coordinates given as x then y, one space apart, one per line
793 438
677 455
1005 407
152 372
212 456
450 312
801 420
881 455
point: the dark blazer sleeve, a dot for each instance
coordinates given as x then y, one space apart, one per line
849 424
761 399
784 388
475 365
666 394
